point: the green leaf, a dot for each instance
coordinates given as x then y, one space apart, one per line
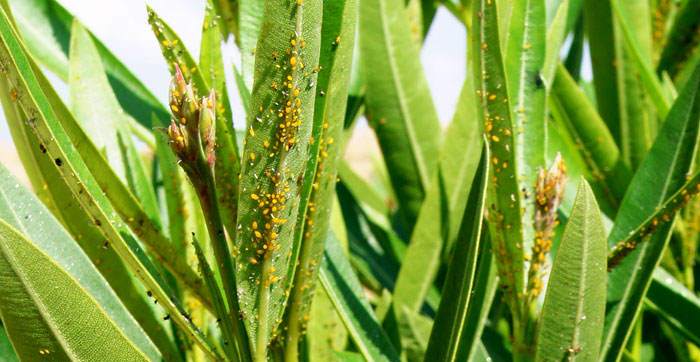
370 245
646 73
97 111
7 353
275 157
601 35
524 59
365 193
226 11
678 45
440 215
250 20
318 192
637 116
662 215
226 170
139 180
556 34
57 194
505 212
574 306
415 331
121 199
20 209
173 184
45 126
345 291
676 305
47 313
218 300
484 291
398 103
326 332
46 27
590 134
446 339
100 115
662 173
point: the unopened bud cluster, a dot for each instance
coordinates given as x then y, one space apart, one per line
549 191
192 131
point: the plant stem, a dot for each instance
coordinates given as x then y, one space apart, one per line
524 334
207 197
261 347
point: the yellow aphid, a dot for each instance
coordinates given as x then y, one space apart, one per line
252 156
255 197
293 61
255 225
253 261
251 131
257 234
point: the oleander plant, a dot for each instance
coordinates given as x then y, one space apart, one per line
552 218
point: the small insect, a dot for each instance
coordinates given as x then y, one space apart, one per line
573 351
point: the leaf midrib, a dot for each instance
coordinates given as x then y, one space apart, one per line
628 290
406 115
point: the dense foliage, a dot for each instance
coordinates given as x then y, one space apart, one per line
552 219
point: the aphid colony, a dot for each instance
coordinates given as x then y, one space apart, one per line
285 114
549 192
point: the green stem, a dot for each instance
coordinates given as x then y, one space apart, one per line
524 334
204 183
261 348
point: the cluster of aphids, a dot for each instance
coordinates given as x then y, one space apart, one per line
286 113
666 214
549 193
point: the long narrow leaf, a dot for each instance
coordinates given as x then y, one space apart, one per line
446 339
434 230
68 162
505 211
45 26
597 146
661 174
21 210
574 306
38 308
337 44
275 156
675 304
399 105
345 291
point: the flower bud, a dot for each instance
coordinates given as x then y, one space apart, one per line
178 140
207 126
